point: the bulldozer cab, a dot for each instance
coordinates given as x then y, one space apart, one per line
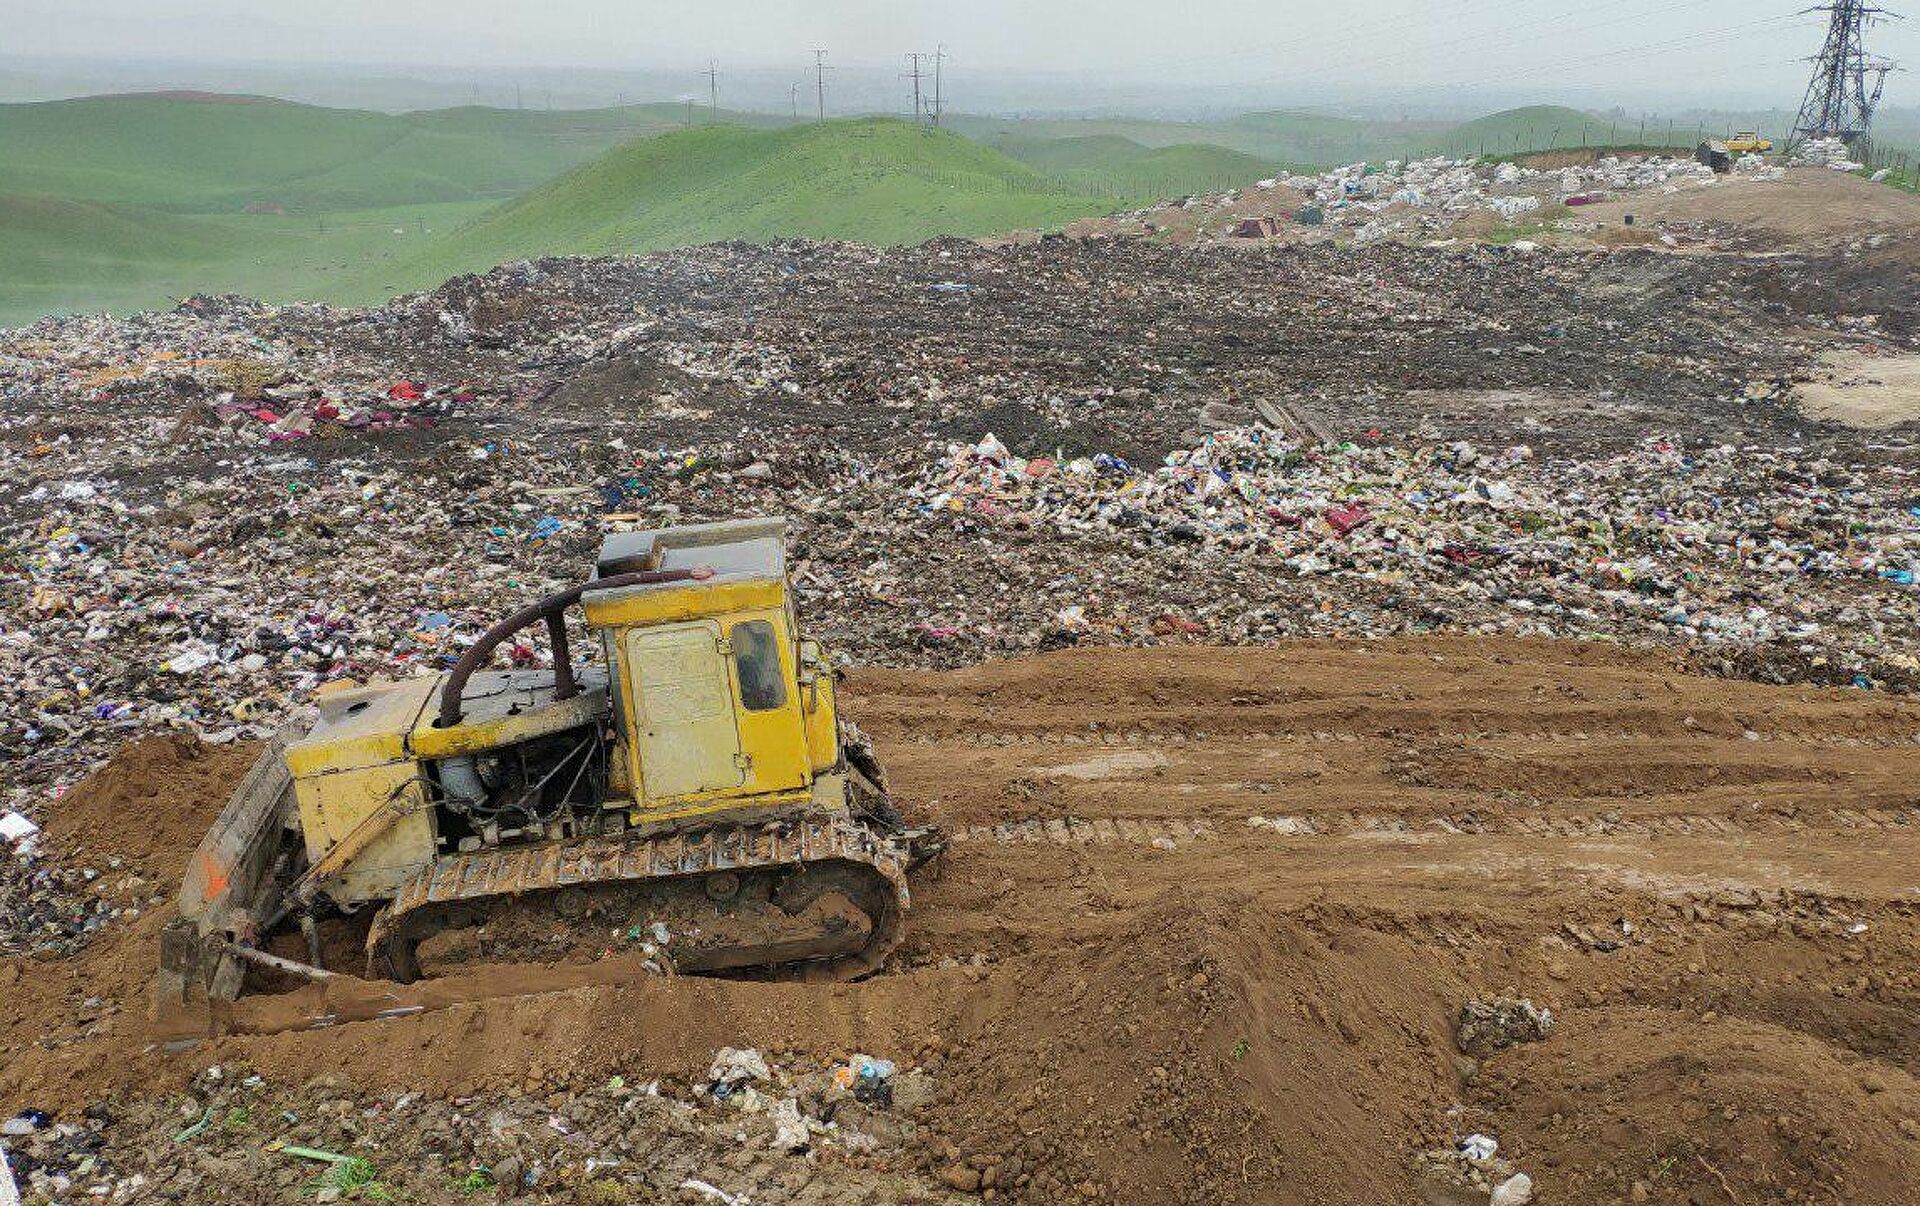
715 694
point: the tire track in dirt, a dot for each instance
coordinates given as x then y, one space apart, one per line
1711 884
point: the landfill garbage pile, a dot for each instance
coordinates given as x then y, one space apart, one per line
1827 153
740 1136
221 508
1426 198
1740 553
1508 188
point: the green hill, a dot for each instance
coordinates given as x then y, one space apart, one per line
198 153
61 256
121 202
873 180
1125 168
56 254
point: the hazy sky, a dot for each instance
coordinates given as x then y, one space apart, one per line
1599 50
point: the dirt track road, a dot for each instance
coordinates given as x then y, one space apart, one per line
1132 994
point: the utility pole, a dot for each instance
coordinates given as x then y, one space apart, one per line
919 113
793 94
1838 103
713 86
820 70
939 105
517 102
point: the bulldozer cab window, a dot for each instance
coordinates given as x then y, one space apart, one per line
756 661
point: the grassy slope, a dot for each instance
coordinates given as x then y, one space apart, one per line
875 181
1294 139
224 154
1128 169
60 256
121 202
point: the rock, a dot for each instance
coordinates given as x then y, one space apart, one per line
1492 1024
960 1177
509 1175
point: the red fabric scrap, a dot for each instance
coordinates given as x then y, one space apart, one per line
406 391
1345 519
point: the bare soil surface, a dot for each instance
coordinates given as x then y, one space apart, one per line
1206 929
1806 206
1863 390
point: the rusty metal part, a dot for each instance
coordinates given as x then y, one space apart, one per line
551 610
292 967
845 855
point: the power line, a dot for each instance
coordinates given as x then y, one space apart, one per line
1838 103
820 70
939 105
1641 51
1340 36
914 75
1480 43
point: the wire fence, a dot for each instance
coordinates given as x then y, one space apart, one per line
1645 133
1902 167
1091 184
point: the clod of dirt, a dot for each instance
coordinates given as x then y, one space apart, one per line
1487 1026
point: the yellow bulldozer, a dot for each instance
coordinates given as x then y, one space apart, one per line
694 785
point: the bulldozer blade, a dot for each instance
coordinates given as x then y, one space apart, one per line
229 884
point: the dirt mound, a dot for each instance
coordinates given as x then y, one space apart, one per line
1642 1104
151 804
1809 207
1213 1051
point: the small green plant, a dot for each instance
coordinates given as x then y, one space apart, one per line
477 1180
356 1178
1240 1049
239 1118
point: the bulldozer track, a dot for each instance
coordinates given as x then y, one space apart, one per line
517 872
1078 831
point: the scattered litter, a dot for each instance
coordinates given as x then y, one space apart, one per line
733 1068
1496 1023
314 1153
1516 1190
789 1128
713 1194
19 832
